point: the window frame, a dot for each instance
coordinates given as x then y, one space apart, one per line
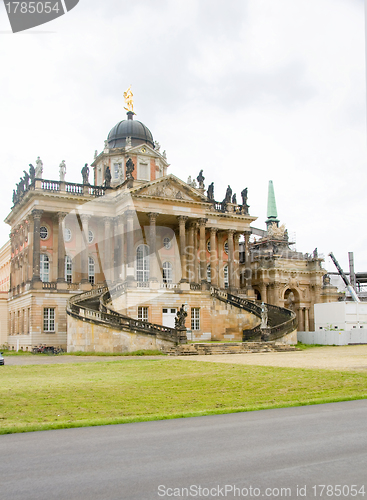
142 267
91 270
143 313
43 273
167 272
195 318
49 319
68 262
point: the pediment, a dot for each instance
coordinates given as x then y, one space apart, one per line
170 187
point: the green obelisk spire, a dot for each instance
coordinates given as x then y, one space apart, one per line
272 207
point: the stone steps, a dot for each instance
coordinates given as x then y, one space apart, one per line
199 348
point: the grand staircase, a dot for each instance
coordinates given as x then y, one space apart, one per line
94 306
281 321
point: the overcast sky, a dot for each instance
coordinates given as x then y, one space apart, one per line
247 90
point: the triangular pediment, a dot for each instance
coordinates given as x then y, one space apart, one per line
170 187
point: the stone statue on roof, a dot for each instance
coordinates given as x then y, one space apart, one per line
129 169
107 177
32 172
200 178
39 168
62 171
85 174
210 192
228 197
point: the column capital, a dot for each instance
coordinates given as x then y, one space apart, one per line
129 213
107 220
193 224
37 214
231 231
61 216
182 218
213 230
202 222
85 218
152 216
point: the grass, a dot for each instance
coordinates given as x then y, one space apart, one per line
304 347
41 397
141 352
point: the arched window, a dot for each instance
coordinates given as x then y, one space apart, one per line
44 268
68 269
91 270
142 263
225 274
208 273
167 272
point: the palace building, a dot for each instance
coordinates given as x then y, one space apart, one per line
116 262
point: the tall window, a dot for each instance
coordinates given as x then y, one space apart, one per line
44 268
49 319
68 269
91 270
167 272
208 273
142 263
116 170
195 318
225 273
143 313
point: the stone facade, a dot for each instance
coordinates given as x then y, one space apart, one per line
166 241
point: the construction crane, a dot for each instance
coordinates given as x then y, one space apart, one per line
344 278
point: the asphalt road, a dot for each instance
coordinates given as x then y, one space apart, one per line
282 448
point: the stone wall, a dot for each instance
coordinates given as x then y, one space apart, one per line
87 336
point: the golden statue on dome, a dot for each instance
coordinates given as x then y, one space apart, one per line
128 96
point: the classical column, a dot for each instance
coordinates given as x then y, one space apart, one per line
130 245
152 246
248 272
202 252
307 320
121 250
236 261
61 248
116 248
220 260
107 249
84 253
191 256
182 225
196 252
231 282
213 256
37 214
263 293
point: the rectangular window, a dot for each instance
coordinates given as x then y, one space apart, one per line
143 313
116 170
28 320
49 319
195 318
144 172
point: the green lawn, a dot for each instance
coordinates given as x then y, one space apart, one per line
81 394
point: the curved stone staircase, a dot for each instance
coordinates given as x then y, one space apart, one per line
94 306
281 321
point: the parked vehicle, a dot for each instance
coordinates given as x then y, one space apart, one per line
2 360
